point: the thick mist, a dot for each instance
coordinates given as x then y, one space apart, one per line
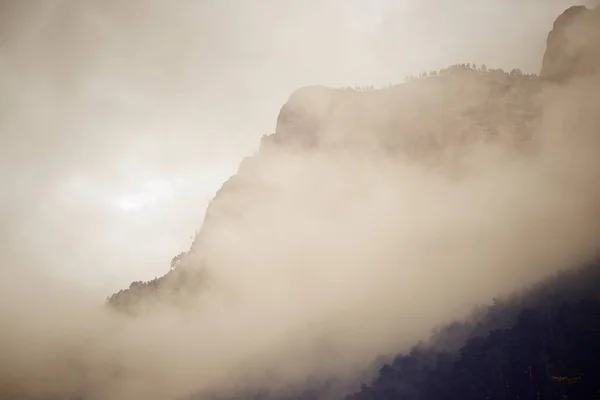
127 117
338 256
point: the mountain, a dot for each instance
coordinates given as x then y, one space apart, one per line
418 120
430 121
573 44
519 347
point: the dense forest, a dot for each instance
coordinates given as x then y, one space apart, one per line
540 345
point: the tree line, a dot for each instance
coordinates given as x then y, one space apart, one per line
452 69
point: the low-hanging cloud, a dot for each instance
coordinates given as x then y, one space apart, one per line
319 260
111 96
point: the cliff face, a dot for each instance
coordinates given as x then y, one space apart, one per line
573 44
406 119
429 122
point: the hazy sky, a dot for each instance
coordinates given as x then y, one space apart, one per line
120 119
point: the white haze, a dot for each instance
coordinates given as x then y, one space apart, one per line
103 99
119 121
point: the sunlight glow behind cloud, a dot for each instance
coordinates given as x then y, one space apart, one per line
129 96
151 193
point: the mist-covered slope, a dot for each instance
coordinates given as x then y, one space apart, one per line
370 217
541 342
432 121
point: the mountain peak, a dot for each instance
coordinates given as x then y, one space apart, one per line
573 44
418 120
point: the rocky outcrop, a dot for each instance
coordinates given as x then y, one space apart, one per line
455 106
170 289
573 44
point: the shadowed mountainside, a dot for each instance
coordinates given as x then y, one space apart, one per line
542 343
538 343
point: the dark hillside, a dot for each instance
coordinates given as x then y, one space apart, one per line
540 343
543 344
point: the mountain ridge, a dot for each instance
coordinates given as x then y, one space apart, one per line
502 108
501 115
431 123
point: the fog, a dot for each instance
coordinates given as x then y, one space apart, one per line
119 122
102 100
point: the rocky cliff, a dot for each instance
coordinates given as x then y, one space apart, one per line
573 44
430 122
